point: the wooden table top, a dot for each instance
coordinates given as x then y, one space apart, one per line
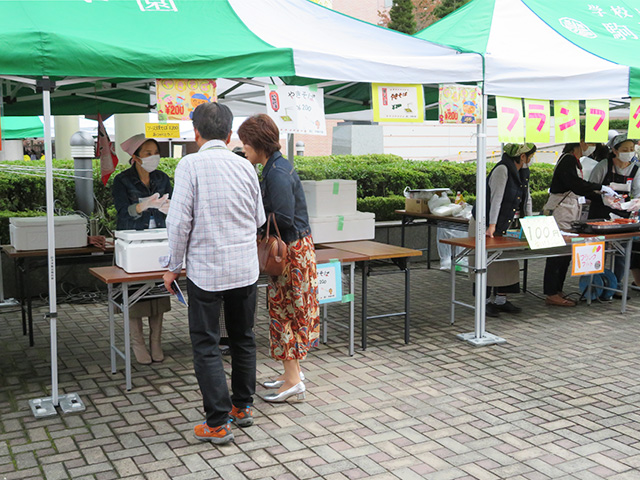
86 250
325 255
373 250
430 216
500 243
115 274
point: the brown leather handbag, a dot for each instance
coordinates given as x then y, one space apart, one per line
272 251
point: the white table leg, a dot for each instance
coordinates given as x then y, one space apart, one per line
127 339
112 330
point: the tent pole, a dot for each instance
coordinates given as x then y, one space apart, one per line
479 336
291 147
69 403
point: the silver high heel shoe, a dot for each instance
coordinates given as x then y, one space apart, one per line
298 389
279 383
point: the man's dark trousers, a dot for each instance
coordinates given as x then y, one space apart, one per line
204 328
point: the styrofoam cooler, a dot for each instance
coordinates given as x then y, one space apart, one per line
30 233
330 197
343 228
140 251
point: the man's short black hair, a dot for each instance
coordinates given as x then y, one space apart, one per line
213 121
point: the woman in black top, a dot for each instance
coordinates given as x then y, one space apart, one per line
141 196
292 296
566 196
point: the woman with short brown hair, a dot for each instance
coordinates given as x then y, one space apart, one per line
292 296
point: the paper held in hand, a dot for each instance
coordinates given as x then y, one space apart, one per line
542 232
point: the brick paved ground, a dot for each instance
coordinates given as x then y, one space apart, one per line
560 400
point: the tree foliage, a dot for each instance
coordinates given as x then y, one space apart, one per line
448 6
401 17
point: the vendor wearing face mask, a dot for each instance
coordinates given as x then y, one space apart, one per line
619 172
566 197
508 198
141 196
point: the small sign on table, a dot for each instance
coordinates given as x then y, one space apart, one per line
542 232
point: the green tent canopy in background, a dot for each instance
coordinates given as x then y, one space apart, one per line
563 50
14 128
104 56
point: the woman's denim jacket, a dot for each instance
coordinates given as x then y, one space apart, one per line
127 191
282 194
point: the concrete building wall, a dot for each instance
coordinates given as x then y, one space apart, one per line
366 10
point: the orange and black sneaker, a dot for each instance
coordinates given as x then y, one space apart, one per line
243 417
217 435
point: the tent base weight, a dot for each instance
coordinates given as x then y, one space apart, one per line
487 339
9 302
71 403
42 407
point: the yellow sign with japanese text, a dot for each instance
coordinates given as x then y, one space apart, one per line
538 122
162 130
510 121
566 114
597 124
634 119
397 102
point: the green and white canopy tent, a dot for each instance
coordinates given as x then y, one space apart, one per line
21 127
73 57
541 49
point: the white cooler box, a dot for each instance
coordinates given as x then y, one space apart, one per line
140 250
343 228
30 233
330 197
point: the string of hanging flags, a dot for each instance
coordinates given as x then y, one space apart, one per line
533 121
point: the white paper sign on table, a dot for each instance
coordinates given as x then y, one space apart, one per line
542 232
297 109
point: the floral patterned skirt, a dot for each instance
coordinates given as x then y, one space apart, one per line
293 304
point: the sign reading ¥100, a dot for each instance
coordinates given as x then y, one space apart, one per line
542 232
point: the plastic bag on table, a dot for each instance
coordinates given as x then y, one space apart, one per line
465 213
444 250
447 210
438 201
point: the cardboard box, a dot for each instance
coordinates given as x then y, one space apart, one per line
416 205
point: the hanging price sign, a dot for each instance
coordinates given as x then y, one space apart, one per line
588 258
567 118
510 121
597 112
329 282
538 122
634 118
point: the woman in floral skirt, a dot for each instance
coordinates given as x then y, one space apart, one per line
293 296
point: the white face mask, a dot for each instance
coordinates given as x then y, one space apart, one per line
626 156
150 163
590 149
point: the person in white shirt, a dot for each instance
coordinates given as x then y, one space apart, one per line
215 212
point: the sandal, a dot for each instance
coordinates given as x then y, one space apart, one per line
559 301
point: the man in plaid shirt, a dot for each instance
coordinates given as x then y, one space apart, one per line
214 215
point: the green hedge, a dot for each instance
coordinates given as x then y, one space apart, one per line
381 181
